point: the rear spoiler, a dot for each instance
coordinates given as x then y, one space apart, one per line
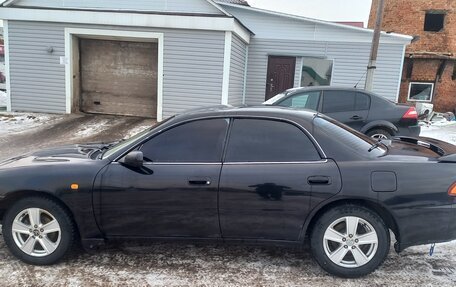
446 151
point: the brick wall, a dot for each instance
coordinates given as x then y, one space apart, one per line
407 17
425 70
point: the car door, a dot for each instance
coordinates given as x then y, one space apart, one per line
306 100
174 194
269 173
348 107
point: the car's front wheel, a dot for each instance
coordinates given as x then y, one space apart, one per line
38 230
350 241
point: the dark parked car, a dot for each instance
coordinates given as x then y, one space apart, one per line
366 112
259 174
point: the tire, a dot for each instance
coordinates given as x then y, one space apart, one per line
47 242
379 134
330 254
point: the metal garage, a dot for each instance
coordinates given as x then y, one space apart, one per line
118 77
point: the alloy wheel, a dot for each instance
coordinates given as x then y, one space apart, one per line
350 242
36 232
379 136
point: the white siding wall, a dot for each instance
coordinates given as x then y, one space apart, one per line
270 26
187 6
259 51
193 67
237 71
350 63
348 47
37 78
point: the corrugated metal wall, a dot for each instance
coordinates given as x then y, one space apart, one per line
237 71
193 66
350 62
187 6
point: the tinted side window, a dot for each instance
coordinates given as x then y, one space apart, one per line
338 101
362 102
254 140
198 141
302 101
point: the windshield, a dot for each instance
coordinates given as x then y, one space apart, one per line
124 143
339 136
274 99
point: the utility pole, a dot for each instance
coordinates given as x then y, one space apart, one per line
374 50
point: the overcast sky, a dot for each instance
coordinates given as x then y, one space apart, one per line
330 10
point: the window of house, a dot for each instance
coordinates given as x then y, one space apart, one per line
420 92
434 21
316 72
258 140
197 141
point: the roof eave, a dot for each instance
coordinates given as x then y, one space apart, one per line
406 39
8 3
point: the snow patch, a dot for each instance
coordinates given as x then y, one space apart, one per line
19 122
136 131
445 131
2 99
92 128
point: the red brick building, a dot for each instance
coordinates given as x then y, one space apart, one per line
429 73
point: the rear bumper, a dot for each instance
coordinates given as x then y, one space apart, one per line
410 131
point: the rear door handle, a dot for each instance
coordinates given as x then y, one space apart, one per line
356 117
319 180
199 181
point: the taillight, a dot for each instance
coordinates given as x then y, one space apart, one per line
410 114
452 190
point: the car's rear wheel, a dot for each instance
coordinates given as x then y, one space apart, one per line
350 241
38 230
380 134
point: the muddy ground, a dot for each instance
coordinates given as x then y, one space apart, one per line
159 264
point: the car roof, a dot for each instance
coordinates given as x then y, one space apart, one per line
277 112
324 88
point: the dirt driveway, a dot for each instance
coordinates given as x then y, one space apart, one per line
136 264
27 132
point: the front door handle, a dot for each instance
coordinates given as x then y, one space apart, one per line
199 181
356 117
319 180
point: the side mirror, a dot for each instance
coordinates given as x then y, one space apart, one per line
133 159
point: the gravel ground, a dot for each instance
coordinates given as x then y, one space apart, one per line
159 264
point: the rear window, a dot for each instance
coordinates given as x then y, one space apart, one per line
307 100
337 138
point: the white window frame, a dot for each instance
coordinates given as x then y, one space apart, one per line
327 59
421 83
118 35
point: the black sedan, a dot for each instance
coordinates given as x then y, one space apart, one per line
258 174
363 111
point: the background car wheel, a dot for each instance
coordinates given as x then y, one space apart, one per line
38 230
379 134
350 241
